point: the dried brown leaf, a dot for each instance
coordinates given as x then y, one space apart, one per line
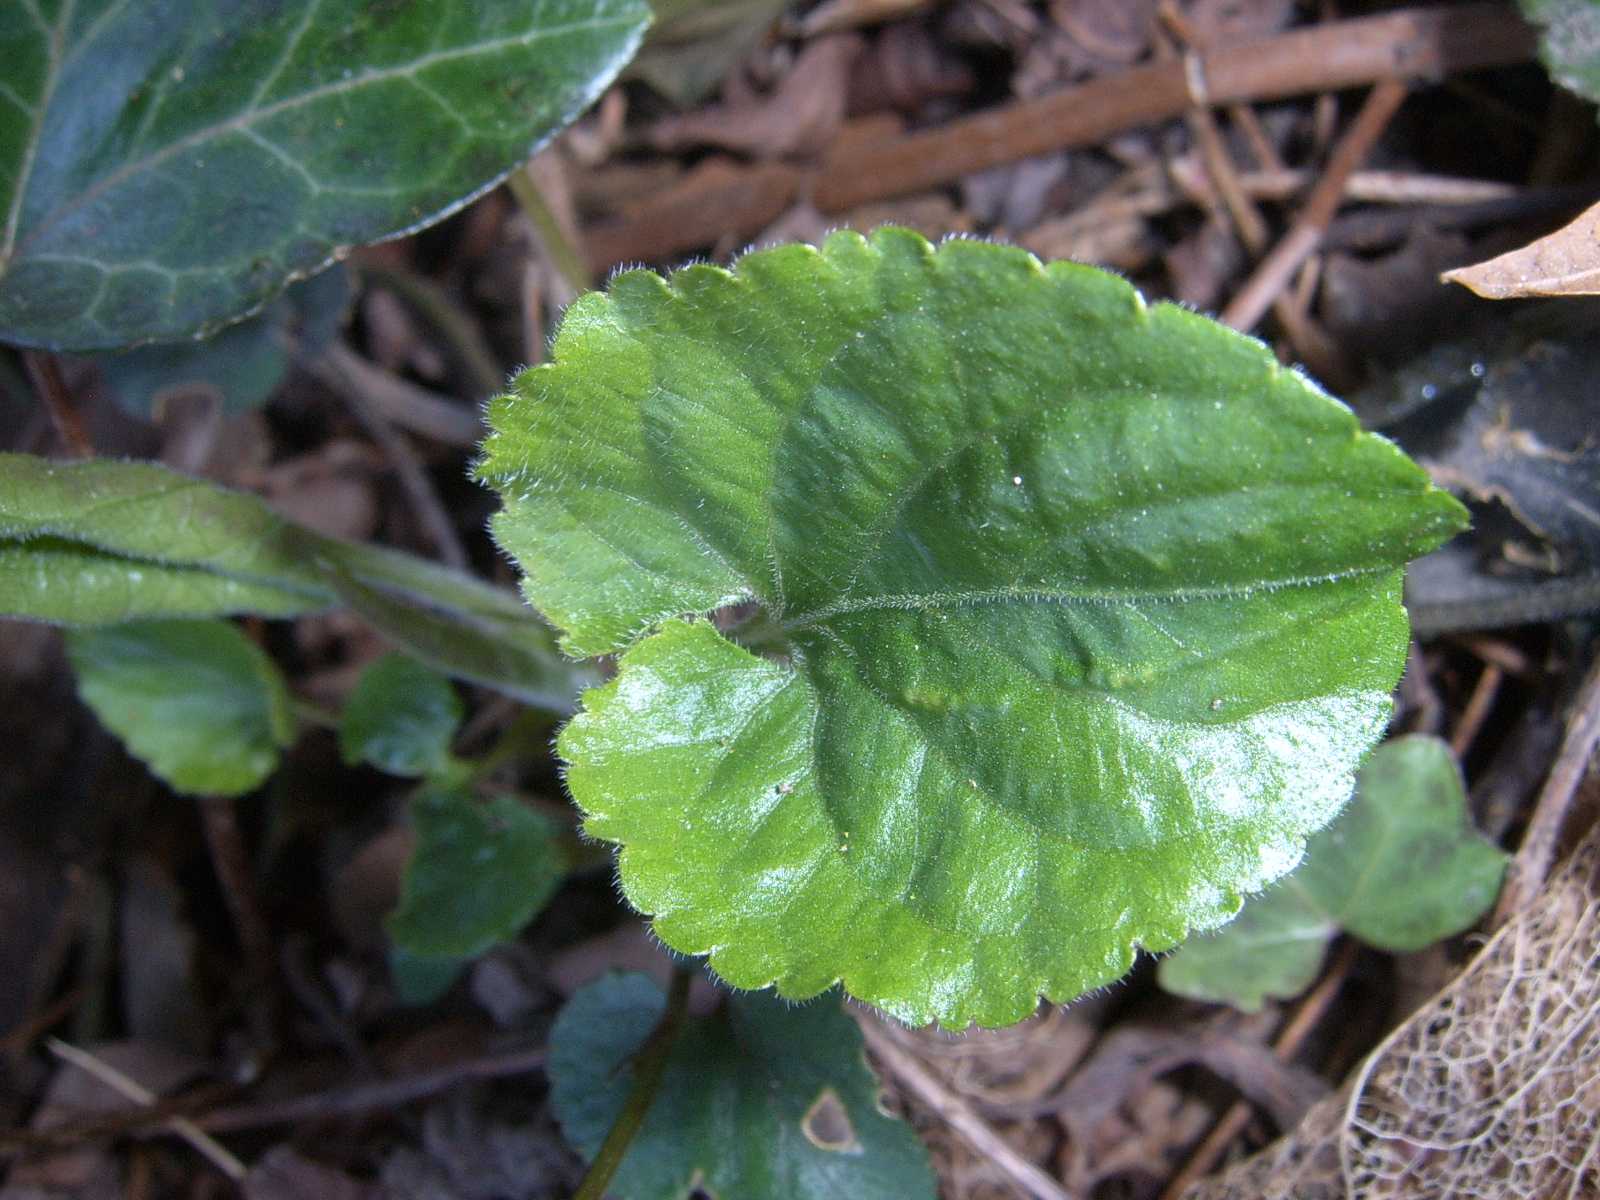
1564 263
1489 1090
800 118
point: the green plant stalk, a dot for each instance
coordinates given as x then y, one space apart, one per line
649 1066
563 254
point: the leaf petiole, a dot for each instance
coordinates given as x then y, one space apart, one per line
648 1067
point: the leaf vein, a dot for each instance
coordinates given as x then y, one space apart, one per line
310 96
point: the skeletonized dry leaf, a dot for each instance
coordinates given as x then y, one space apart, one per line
1564 263
1482 1091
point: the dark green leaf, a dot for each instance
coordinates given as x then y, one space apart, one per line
1092 611
99 542
241 365
1401 869
198 701
763 1100
166 167
400 718
479 873
420 981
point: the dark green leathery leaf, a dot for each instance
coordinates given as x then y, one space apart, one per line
1092 612
760 1100
167 166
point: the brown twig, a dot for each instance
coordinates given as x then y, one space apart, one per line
206 1146
1305 1017
231 862
1311 345
44 372
402 402
1477 709
1273 274
1419 43
371 1097
951 1109
1528 869
21 1035
1503 654
414 481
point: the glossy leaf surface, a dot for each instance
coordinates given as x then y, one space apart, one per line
1091 608
400 718
479 873
168 166
95 543
1400 869
197 701
761 1100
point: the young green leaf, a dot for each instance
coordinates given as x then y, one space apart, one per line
400 718
198 701
1092 611
1400 869
762 1100
1404 867
479 873
167 168
94 543
97 542
1272 949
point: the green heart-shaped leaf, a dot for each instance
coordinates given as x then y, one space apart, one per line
400 718
480 872
199 702
167 166
761 1100
1092 610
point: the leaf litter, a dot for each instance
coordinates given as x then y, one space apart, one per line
1114 200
